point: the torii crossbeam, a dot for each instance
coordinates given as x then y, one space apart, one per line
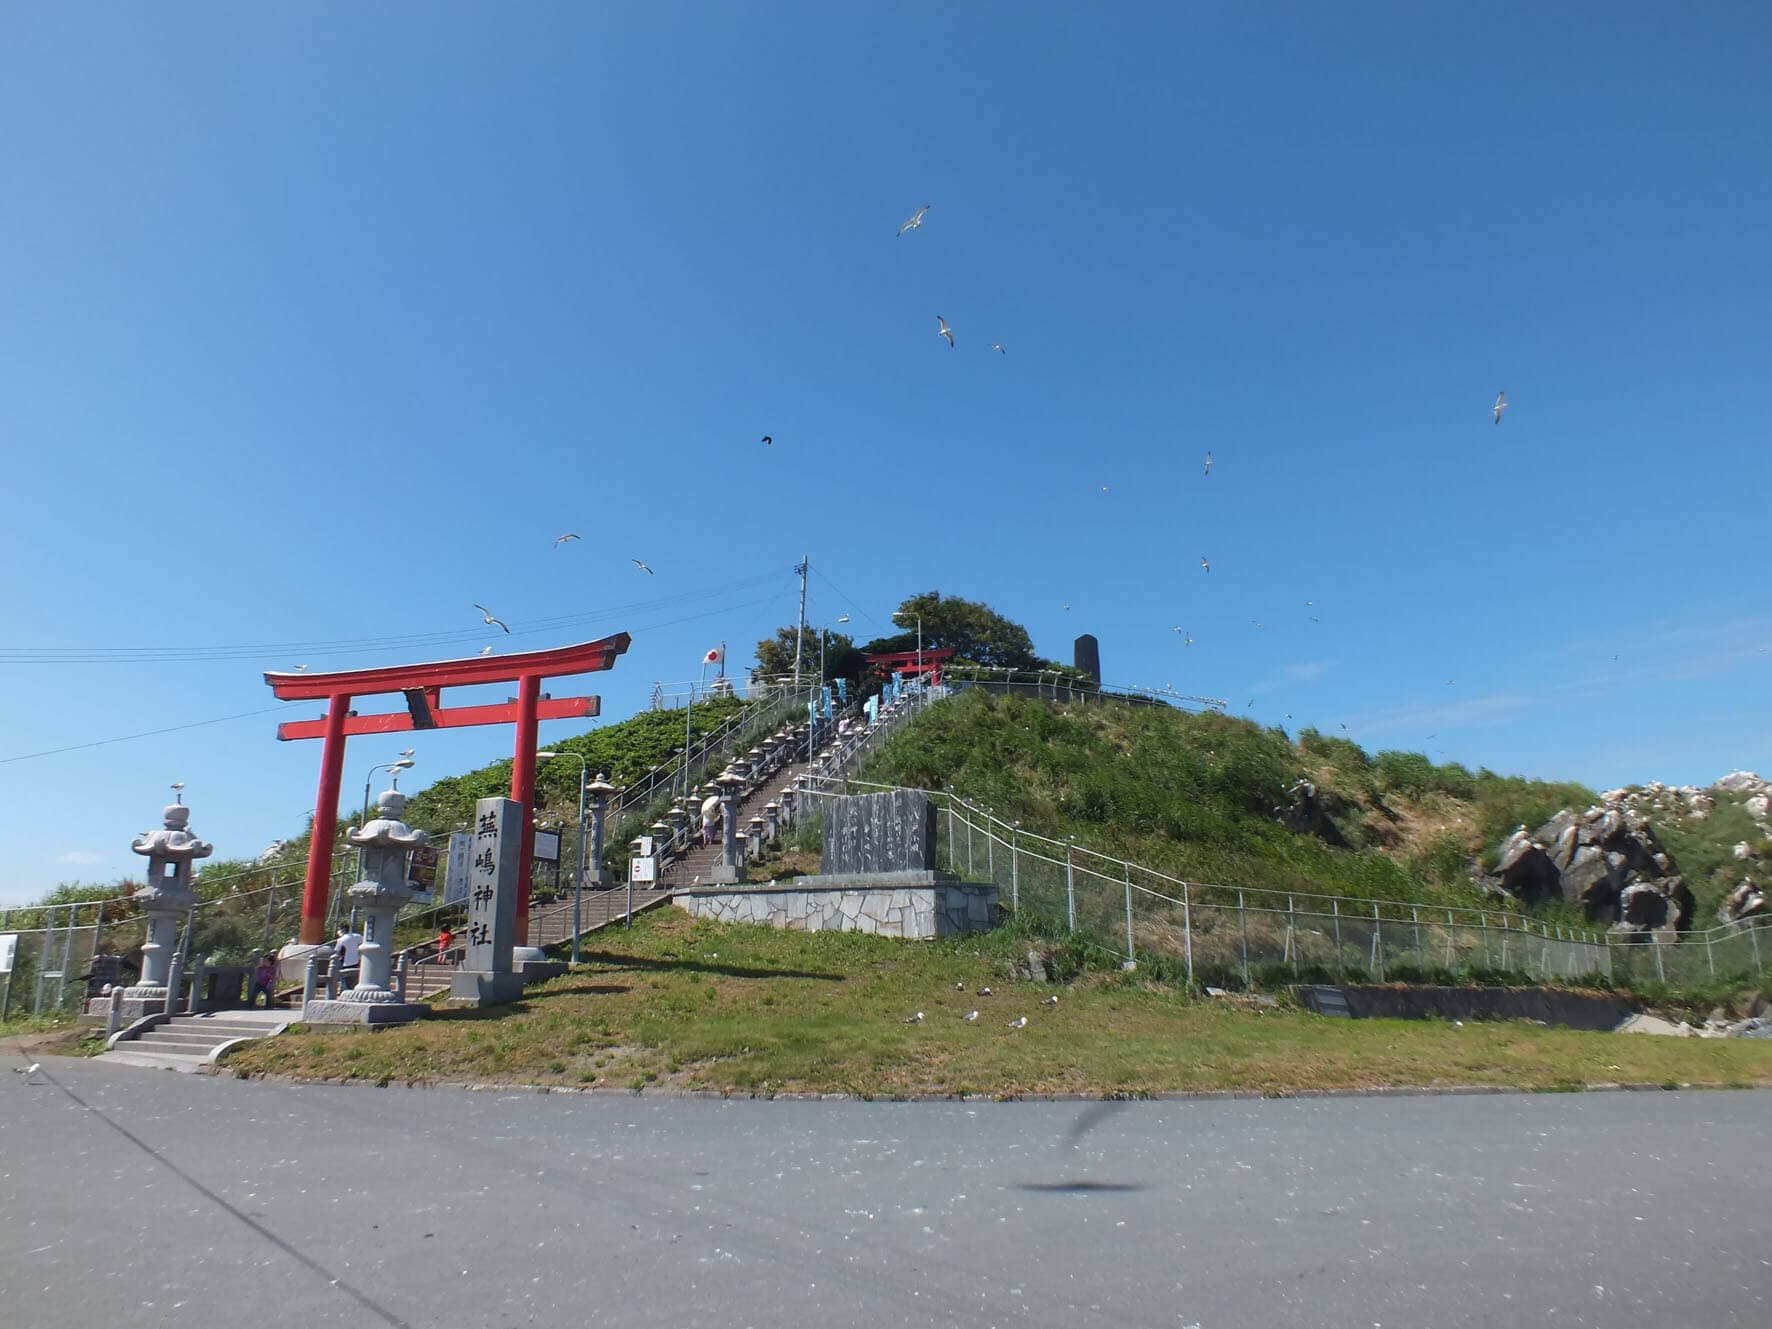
422 686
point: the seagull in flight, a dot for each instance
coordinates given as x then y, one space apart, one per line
916 221
1500 405
637 563
1066 606
300 668
1451 681
944 330
997 346
486 650
490 620
1208 462
562 539
1431 737
915 1019
767 439
1205 563
1187 639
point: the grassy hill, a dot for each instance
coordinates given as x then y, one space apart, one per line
1196 795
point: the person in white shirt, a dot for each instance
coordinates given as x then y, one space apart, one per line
349 940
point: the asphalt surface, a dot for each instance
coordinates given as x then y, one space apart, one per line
145 1198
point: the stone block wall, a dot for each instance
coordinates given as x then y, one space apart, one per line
888 909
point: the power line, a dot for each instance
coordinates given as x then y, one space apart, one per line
146 733
840 591
135 654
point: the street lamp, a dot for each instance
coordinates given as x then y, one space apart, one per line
578 877
823 633
898 617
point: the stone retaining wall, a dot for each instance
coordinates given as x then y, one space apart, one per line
884 903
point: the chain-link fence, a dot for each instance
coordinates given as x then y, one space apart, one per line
1243 937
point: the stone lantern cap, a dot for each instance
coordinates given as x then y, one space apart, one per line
729 779
600 787
388 831
174 841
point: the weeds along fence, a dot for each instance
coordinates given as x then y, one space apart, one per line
1242 937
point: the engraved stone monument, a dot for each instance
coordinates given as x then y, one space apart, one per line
487 976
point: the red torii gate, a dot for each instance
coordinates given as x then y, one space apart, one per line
422 685
928 662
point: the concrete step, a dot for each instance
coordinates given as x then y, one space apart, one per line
152 1060
161 1041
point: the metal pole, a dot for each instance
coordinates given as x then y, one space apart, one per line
1377 960
1451 936
61 986
1070 883
990 846
1014 871
1130 959
1415 918
44 951
950 802
578 882
969 844
1335 905
270 906
1660 972
1243 929
1291 935
1187 932
1753 937
1709 954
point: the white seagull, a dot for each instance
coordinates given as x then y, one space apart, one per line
1208 461
971 1017
1019 1024
29 1072
1051 1001
915 1019
486 650
984 992
916 220
562 539
637 563
490 620
959 987
944 330
1205 563
997 346
1500 405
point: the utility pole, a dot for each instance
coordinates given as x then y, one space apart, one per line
800 637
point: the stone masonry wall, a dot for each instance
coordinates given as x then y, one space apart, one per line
944 909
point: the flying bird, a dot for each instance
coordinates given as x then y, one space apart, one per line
486 650
490 620
971 1017
915 1019
1208 462
944 330
1051 1001
1315 619
637 563
767 439
1066 606
1187 639
1500 405
1205 563
1022 1023
562 539
997 346
299 668
916 220
1451 681
1431 736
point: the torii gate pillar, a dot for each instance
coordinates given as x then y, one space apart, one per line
422 686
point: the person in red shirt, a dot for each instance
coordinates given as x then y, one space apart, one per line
445 939
264 979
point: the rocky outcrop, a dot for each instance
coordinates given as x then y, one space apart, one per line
1306 812
1745 901
1607 860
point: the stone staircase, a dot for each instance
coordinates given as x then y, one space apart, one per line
187 1042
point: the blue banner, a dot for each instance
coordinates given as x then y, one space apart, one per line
873 711
843 690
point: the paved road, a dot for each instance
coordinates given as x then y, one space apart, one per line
145 1198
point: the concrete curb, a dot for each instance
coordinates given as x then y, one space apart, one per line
1166 1096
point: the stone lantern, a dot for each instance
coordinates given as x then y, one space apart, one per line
387 843
772 820
166 898
731 865
600 791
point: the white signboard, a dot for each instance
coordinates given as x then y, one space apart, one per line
547 846
642 870
8 951
455 874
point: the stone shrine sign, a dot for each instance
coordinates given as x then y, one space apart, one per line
873 833
495 855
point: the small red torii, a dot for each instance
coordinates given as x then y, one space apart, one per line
422 685
929 662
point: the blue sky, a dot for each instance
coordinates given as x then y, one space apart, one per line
320 322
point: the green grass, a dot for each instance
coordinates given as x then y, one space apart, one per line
752 1010
1195 795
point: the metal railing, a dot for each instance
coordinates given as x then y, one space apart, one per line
1245 936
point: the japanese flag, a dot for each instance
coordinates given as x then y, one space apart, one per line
715 656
